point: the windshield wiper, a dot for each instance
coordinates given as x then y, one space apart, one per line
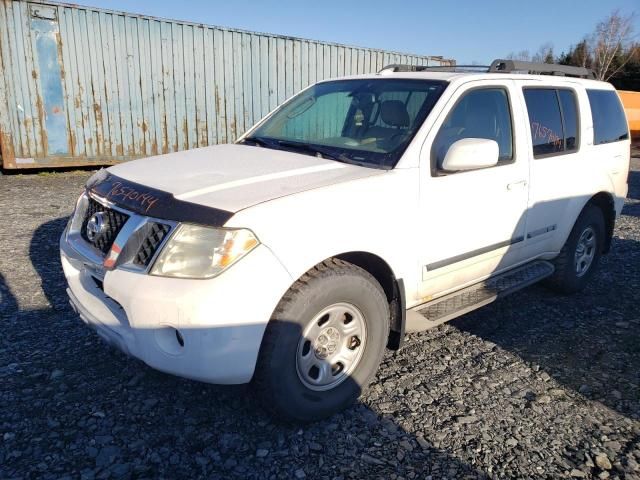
316 150
260 141
274 143
328 153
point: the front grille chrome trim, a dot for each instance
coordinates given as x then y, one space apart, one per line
116 222
127 242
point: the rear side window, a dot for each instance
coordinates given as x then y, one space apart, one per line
570 116
553 118
609 121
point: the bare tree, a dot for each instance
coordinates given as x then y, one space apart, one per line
611 44
544 54
523 55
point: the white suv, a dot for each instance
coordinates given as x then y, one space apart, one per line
294 257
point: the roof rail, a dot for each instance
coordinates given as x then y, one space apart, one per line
497 66
399 67
518 66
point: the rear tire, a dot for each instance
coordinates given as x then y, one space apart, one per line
323 344
581 253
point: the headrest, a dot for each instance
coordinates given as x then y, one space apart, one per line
394 113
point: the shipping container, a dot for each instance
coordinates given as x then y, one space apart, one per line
85 86
631 103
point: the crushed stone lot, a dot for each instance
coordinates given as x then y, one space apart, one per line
534 386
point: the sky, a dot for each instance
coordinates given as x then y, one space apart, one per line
466 30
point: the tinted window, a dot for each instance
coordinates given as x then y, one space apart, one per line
609 121
570 117
545 121
482 113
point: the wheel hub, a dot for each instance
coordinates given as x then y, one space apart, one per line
327 343
585 251
331 346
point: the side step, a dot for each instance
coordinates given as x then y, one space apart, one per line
458 303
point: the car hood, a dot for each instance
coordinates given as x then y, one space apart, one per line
234 177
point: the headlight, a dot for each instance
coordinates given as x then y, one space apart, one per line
202 252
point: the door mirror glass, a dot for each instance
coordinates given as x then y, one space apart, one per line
471 154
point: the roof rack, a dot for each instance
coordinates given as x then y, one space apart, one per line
398 67
497 66
518 66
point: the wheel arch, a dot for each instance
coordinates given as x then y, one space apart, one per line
604 201
393 288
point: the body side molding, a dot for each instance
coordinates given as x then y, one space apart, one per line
473 253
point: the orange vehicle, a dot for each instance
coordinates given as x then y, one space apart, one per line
631 103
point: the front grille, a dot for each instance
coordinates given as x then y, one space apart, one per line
150 244
114 221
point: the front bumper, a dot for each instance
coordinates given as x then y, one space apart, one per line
208 330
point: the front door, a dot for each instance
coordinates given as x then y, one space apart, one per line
476 219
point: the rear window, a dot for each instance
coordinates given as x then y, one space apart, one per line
609 121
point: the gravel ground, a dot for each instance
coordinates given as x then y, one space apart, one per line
534 386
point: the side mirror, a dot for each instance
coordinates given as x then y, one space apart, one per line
471 154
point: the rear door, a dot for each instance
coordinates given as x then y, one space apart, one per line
580 146
556 156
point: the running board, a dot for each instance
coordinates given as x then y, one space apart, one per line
458 303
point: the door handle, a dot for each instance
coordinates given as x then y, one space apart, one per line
519 183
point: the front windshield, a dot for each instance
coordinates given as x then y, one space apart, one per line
368 122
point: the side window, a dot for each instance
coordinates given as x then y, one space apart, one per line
553 118
609 121
569 106
480 113
545 121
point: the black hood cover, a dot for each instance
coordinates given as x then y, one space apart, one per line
152 202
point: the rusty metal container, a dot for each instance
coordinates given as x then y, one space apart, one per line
84 86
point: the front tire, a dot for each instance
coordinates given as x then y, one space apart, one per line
581 253
323 344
